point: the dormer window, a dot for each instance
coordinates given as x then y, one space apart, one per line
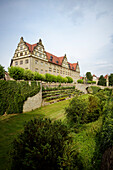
51 57
57 62
73 68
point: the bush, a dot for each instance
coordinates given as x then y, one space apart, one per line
37 76
41 146
2 72
93 109
80 81
13 94
16 73
76 111
28 75
95 89
70 80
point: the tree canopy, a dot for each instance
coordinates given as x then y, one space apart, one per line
111 79
2 72
102 81
89 76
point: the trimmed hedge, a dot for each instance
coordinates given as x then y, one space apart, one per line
19 73
13 94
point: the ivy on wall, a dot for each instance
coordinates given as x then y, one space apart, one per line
13 94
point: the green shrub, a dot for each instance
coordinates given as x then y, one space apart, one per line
28 75
80 81
2 72
41 146
89 82
16 73
70 80
37 76
95 89
13 94
76 111
93 109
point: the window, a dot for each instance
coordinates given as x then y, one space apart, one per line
50 69
16 63
73 68
26 61
36 61
60 71
57 62
41 63
51 57
35 53
36 69
41 70
39 55
45 64
26 53
57 71
21 62
21 54
45 71
54 70
21 47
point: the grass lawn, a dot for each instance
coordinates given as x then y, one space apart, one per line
12 125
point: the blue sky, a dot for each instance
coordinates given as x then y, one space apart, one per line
81 29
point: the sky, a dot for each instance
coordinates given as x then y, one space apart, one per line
81 29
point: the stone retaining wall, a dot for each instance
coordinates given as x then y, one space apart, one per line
34 102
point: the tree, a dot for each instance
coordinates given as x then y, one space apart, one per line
16 73
102 81
111 79
76 111
70 80
28 75
40 145
2 72
89 76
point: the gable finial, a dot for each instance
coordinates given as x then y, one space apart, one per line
40 41
21 39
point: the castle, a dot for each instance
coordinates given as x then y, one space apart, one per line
35 58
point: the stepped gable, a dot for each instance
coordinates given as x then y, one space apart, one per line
31 47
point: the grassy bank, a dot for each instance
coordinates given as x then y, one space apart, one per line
12 125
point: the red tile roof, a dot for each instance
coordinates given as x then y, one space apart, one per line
72 66
31 47
106 76
54 59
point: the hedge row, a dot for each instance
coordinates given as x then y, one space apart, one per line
13 94
18 73
56 88
88 82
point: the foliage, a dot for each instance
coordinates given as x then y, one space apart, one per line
82 111
37 76
70 80
80 81
95 89
2 72
28 75
111 79
16 73
76 110
89 76
19 73
93 110
40 146
102 81
13 94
